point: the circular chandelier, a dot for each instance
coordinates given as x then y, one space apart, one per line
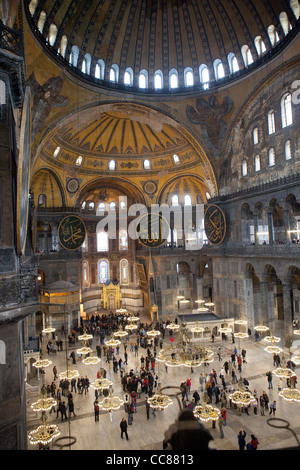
120 333
209 304
44 434
43 404
240 322
132 318
296 359
206 413
172 326
197 328
153 332
131 326
91 360
111 403
284 372
159 401
41 363
297 332
272 349
113 342
225 329
200 301
241 335
290 394
121 310
85 337
101 384
261 328
202 309
241 397
69 374
48 330
84 350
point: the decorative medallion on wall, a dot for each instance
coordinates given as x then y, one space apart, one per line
71 232
150 187
215 224
153 230
73 185
92 228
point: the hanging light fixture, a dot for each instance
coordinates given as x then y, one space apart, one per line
111 403
290 394
172 326
272 349
101 384
242 398
159 401
284 372
120 333
206 413
113 342
197 329
153 332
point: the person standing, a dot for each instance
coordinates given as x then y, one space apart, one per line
54 373
123 426
254 442
96 410
220 424
242 439
273 407
269 376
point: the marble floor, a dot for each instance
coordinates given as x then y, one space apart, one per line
149 434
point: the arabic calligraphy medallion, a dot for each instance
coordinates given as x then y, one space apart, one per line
71 232
215 224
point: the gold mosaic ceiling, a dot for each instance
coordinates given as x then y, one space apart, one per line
128 135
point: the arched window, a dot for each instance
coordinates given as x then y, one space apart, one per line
86 64
233 63
244 168
128 76
272 157
42 200
112 165
173 78
204 76
257 163
112 206
123 240
174 200
143 79
32 6
158 80
288 150
52 34
83 205
247 56
101 208
255 136
219 69
284 21
147 165
91 206
286 110
103 271
102 241
73 59
124 272
114 73
294 4
41 21
100 69
187 200
176 159
79 161
63 45
273 35
260 45
188 76
271 122
85 273
56 152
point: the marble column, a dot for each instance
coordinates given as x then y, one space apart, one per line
255 217
270 225
263 285
287 226
287 308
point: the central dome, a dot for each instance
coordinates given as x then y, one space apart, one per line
163 44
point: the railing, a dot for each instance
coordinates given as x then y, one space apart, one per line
11 39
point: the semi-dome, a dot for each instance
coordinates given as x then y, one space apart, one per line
162 45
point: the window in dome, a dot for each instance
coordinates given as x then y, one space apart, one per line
288 150
175 200
255 135
103 271
52 34
63 46
42 200
112 206
41 21
102 241
100 69
273 35
257 163
111 165
260 45
83 205
271 122
187 200
79 161
128 76
158 80
233 63
147 165
32 6
204 76
85 268
124 271
56 152
247 56
219 69
123 240
176 159
286 110
143 79
101 208
173 78
294 4
86 64
244 168
91 206
114 73
73 59
271 157
284 21
188 77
